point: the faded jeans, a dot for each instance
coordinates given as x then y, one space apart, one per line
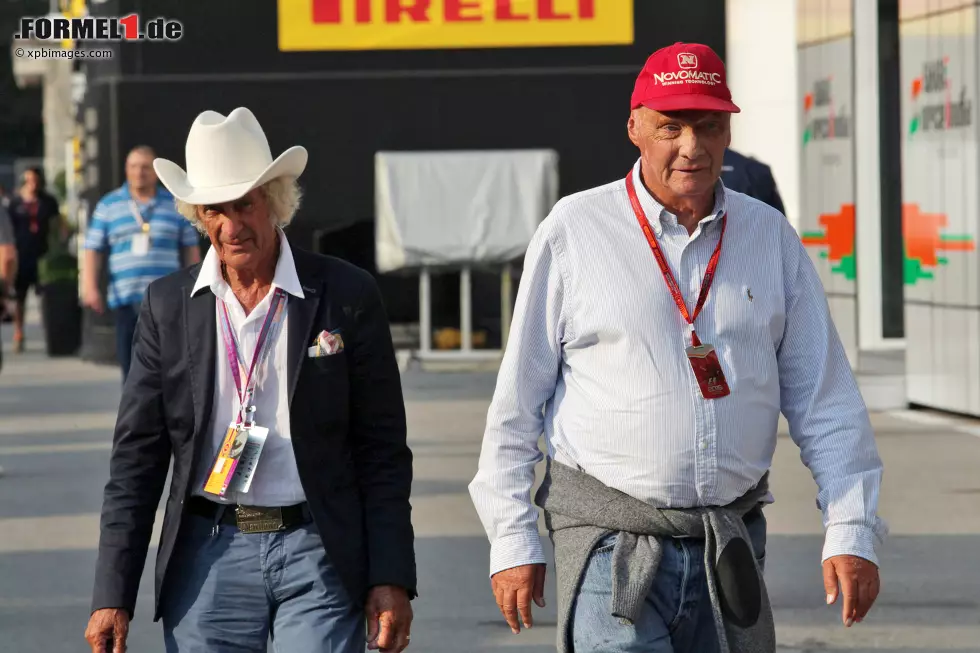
676 616
232 592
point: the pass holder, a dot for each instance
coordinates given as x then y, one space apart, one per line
241 481
707 370
234 466
140 245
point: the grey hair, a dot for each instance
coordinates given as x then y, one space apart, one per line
282 193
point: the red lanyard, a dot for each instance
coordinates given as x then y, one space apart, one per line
675 291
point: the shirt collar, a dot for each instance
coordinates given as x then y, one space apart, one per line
157 193
656 212
285 276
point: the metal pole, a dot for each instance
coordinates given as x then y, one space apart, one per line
425 312
465 310
506 290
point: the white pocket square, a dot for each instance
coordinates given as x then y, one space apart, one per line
326 344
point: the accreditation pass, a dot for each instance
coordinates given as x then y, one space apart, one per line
234 466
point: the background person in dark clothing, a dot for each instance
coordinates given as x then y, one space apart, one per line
752 177
8 264
31 212
8 267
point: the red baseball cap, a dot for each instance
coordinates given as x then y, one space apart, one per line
683 76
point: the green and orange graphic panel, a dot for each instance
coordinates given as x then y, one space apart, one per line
924 241
922 233
838 238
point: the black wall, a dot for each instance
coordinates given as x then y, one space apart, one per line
345 106
224 37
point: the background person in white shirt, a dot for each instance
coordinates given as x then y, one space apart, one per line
597 361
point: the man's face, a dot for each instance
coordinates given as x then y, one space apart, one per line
242 232
682 150
139 170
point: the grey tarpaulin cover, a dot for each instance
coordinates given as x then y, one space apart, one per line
446 208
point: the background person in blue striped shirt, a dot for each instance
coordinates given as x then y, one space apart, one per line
145 237
651 437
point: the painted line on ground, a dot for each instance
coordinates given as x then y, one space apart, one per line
962 425
67 447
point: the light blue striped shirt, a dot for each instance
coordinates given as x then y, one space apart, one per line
596 361
113 226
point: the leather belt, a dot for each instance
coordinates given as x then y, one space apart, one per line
252 519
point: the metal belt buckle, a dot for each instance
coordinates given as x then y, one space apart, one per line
259 520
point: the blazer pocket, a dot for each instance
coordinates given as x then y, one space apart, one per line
331 363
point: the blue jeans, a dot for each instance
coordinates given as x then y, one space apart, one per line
231 592
676 616
126 317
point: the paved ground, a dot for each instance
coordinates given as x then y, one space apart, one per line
55 424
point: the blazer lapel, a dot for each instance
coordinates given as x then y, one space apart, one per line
302 313
202 343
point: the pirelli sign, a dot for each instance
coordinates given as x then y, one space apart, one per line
450 24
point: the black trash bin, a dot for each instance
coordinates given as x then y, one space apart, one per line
61 312
62 316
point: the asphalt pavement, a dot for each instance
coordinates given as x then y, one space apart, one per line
56 419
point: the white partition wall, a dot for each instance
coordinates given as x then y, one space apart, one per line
767 127
941 210
827 218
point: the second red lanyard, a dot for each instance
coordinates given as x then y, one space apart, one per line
675 291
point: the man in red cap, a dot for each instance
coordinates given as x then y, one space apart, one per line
662 324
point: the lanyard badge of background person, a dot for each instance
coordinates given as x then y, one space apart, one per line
703 358
141 239
235 463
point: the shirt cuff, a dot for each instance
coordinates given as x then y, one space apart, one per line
849 539
516 550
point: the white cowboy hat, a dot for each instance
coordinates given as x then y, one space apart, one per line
226 158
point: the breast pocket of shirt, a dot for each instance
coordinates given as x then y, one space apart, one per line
750 312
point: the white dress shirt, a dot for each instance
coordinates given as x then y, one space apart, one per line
596 361
276 481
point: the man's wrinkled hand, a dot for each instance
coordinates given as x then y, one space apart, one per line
107 630
514 589
389 618
855 578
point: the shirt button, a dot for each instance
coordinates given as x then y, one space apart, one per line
704 444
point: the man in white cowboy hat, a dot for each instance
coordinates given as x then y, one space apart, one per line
144 238
304 533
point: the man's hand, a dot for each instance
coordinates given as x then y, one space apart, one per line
389 619
92 298
107 630
859 583
514 588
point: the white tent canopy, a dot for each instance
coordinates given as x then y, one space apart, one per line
455 208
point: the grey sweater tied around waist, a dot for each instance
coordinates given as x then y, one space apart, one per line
580 511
